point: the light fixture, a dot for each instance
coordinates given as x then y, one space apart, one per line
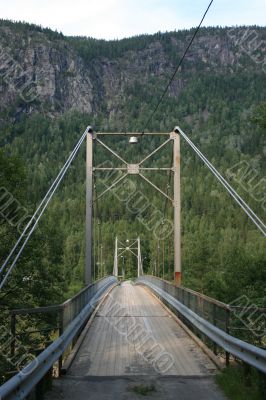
133 140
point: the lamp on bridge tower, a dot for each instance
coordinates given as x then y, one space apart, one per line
133 140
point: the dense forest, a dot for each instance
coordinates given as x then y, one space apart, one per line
218 99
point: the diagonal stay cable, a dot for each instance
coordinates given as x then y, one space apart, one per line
30 233
222 178
250 213
41 208
234 194
177 68
67 163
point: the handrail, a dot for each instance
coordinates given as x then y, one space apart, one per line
54 307
198 294
35 310
247 352
23 383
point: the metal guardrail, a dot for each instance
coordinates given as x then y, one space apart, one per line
49 319
82 306
244 351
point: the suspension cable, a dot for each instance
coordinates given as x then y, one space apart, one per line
177 68
40 210
245 207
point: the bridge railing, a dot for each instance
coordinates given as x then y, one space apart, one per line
213 311
50 318
210 309
72 307
68 319
210 319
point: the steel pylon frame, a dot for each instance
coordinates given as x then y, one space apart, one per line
121 248
134 169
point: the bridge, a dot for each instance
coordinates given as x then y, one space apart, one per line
118 338
133 340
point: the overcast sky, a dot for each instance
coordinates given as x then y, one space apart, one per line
113 19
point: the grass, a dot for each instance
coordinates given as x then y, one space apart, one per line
143 390
242 383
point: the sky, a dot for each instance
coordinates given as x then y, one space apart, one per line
116 19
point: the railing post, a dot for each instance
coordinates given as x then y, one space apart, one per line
214 310
227 330
46 382
61 330
188 300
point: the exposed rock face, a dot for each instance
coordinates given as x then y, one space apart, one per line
52 70
57 72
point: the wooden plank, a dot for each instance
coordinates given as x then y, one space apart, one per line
106 351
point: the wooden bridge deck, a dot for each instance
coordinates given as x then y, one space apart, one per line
133 334
134 345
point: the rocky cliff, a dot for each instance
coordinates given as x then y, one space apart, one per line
39 67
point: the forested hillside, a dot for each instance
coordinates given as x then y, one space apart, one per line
217 99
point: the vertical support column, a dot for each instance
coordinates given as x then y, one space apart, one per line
114 268
88 207
227 330
115 258
102 267
139 259
61 331
141 264
177 209
123 270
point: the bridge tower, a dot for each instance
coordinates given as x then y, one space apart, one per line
177 207
89 172
134 169
132 246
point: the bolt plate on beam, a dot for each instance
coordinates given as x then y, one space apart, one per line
133 169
